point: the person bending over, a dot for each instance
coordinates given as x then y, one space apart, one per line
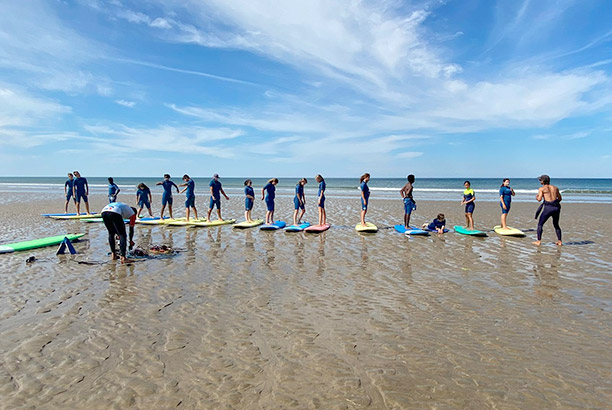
113 216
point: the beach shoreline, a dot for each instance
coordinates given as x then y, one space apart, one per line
253 319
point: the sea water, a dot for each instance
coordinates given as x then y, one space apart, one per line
592 190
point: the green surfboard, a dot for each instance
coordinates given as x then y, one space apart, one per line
465 231
37 243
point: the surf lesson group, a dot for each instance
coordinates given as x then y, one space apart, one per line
116 213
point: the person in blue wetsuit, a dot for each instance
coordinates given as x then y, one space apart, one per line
216 190
437 225
268 193
113 216
249 199
505 199
321 200
113 190
299 202
469 197
409 202
550 208
365 195
68 190
167 184
189 191
80 191
144 199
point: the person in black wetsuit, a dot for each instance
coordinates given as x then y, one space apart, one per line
550 208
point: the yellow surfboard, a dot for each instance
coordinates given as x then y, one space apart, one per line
508 231
215 222
246 225
367 228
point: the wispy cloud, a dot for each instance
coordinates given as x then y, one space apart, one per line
129 104
19 109
186 140
41 51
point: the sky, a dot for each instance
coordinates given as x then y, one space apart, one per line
262 88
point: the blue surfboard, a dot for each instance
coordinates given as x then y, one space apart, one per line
435 231
412 231
273 226
297 228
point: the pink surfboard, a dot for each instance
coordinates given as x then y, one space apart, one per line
317 228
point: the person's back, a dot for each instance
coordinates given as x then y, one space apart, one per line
550 208
551 193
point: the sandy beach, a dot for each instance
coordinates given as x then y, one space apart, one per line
253 319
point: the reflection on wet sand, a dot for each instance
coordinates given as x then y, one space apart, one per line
252 319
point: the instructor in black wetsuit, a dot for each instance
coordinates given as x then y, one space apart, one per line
550 208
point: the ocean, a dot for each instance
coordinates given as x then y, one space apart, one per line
577 190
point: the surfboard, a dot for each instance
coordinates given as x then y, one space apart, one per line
297 228
37 243
157 221
317 228
508 232
49 215
82 216
436 231
215 222
367 228
412 231
464 231
273 226
246 225
185 222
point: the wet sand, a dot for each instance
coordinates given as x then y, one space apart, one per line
341 320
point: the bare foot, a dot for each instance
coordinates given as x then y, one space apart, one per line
125 260
536 243
113 256
559 243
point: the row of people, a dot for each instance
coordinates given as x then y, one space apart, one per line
79 190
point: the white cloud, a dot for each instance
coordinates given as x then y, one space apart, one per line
44 52
187 140
409 154
19 109
141 18
129 104
161 23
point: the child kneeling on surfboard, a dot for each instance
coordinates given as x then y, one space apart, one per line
437 225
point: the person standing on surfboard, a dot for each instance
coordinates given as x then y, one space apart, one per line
113 190
365 195
167 195
321 202
409 203
299 202
80 191
216 190
469 197
68 190
189 196
113 215
249 199
268 192
144 199
505 199
550 208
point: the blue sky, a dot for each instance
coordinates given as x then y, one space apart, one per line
266 88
